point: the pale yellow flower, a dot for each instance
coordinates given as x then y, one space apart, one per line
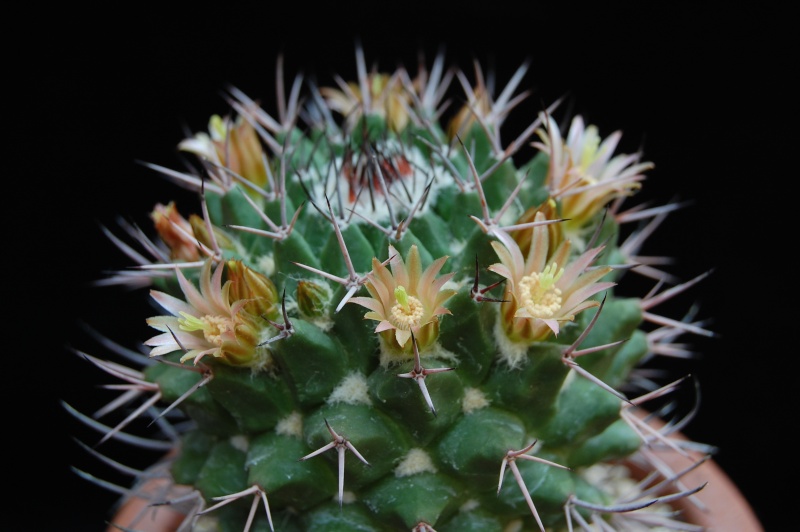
406 300
233 145
584 175
545 288
214 319
479 105
386 97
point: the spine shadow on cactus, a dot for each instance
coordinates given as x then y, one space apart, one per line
335 263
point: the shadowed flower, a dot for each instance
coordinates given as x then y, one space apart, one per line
235 146
259 291
386 97
584 175
555 232
176 232
212 237
214 321
544 289
312 299
406 300
479 104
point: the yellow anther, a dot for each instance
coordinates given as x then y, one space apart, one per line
409 315
213 327
539 295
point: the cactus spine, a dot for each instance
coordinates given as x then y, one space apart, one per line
377 320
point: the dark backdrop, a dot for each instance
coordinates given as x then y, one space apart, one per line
701 90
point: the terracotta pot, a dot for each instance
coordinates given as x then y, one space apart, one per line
129 514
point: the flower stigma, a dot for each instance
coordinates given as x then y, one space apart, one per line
408 311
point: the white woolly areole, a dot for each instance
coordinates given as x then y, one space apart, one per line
206 523
377 210
323 322
468 506
240 442
513 526
415 461
474 399
262 360
619 484
617 478
512 353
622 487
390 356
348 497
265 264
291 425
352 390
456 245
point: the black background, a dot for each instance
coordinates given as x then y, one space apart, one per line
702 90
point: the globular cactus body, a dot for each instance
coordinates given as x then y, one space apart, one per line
376 322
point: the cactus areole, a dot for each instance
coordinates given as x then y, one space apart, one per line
379 318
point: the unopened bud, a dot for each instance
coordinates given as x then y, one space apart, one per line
259 290
312 299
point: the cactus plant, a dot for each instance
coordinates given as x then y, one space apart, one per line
377 317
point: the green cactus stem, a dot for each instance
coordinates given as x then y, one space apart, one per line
380 317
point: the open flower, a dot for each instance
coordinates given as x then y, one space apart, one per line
235 146
544 288
211 322
584 175
406 300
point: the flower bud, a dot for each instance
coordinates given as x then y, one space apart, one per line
201 233
259 290
555 231
175 231
233 145
312 299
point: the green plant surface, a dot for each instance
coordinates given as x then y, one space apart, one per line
380 318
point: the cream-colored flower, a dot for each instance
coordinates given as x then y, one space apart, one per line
406 300
479 104
210 322
234 145
555 232
386 97
545 288
584 174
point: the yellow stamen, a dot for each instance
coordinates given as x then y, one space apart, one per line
538 293
407 313
213 327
